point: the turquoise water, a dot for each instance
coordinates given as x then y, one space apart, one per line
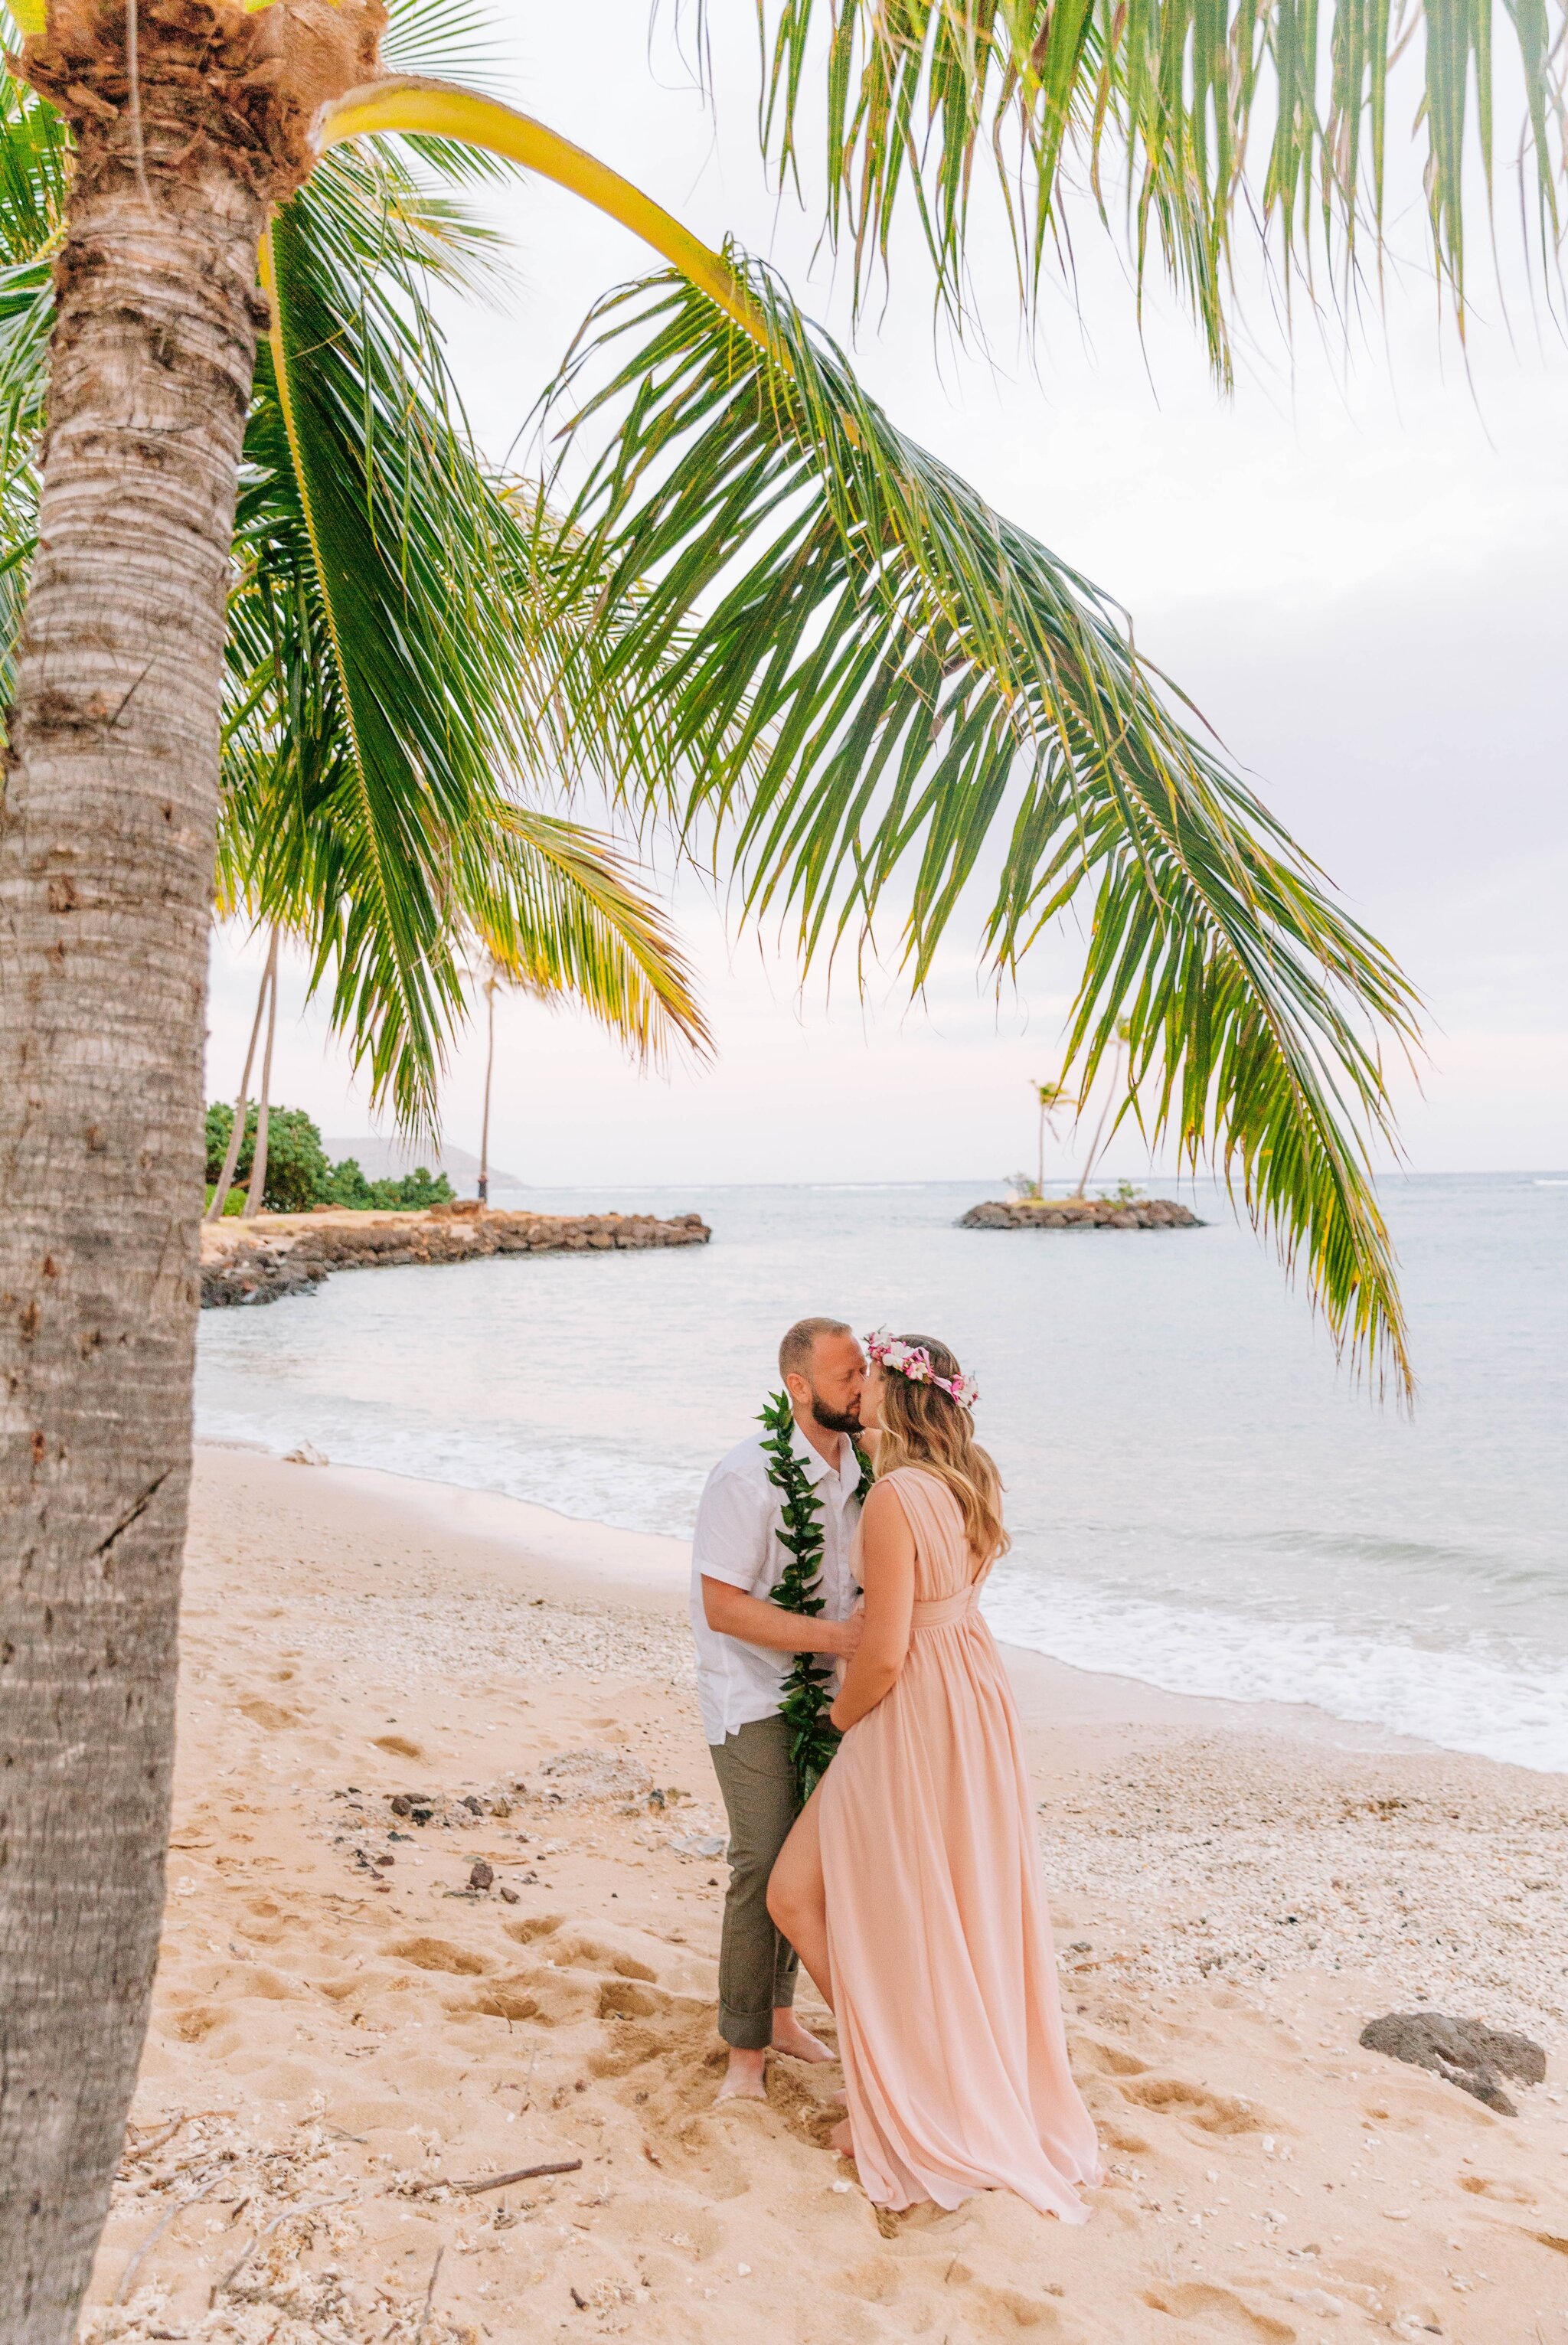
1199 1498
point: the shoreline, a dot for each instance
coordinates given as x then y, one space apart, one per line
656 1564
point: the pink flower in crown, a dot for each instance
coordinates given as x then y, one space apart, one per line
913 1361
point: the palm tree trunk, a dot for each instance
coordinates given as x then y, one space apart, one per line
489 1071
1090 1159
257 1191
236 1137
106 845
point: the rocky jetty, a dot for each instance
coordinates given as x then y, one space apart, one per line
257 1273
1079 1214
291 1254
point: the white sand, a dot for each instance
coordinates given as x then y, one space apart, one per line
338 2047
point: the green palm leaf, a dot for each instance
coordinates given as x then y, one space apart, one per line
874 676
382 687
1167 98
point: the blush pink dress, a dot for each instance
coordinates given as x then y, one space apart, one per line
944 1971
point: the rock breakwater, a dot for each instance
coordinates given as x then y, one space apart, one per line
291 1253
1079 1214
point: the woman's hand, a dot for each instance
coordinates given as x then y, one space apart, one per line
887 1574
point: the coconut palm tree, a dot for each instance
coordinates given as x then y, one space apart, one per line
1115 1099
491 977
307 837
266 1008
767 614
1048 1099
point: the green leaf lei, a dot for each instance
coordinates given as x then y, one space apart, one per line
807 1691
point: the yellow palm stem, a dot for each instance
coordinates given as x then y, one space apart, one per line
441 109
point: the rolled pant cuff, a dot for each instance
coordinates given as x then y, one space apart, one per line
746 2031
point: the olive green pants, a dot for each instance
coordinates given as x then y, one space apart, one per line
756 1967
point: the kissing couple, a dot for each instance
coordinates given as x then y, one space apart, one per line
908 1882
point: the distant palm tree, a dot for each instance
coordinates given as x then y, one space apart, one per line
1115 1099
256 1191
1048 1097
492 976
266 1002
487 987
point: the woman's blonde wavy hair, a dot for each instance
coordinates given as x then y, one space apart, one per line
922 1426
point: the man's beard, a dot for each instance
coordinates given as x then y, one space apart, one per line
836 1420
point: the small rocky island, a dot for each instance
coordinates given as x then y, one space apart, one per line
275 1254
1079 1214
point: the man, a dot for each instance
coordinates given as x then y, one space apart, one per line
745 1645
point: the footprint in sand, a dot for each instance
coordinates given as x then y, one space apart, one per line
440 1954
1093 2056
1210 2112
574 1977
538 1925
269 1714
266 1921
1216 2312
589 1953
1486 2185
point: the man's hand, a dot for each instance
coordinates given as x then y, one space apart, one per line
847 1634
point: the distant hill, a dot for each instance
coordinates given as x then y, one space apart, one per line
389 1159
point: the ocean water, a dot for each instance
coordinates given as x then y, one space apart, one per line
1198 1496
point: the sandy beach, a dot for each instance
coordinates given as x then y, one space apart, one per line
346 2032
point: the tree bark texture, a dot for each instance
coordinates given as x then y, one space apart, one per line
106 843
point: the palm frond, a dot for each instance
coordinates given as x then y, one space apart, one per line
875 678
385 688
1167 98
557 908
452 40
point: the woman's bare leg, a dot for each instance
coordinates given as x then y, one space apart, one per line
798 1901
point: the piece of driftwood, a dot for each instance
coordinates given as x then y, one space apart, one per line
311 2206
147 2148
134 2265
523 2174
429 2297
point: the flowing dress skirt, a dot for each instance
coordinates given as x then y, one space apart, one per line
943 1971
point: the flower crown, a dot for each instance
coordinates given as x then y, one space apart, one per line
913 1361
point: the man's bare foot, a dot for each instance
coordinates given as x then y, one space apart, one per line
839 2140
744 2079
799 2042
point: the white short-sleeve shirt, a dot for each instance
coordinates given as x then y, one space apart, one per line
737 1541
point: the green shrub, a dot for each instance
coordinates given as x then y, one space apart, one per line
296 1166
348 1187
220 1125
299 1174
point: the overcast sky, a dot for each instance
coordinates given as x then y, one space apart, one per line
1357 571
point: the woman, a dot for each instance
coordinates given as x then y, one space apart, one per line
909 1886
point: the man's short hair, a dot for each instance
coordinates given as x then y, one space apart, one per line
795 1351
